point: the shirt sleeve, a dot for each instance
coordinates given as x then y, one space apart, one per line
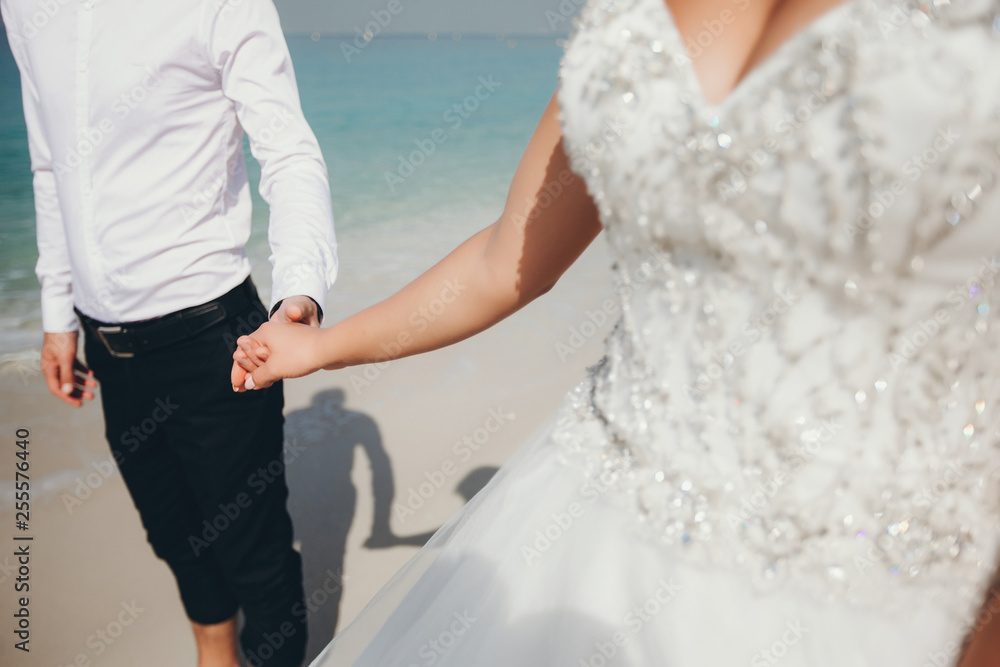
53 267
247 47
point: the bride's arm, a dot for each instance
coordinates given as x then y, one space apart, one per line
548 221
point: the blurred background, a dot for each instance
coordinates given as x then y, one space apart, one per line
373 455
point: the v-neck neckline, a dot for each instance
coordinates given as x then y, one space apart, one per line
757 71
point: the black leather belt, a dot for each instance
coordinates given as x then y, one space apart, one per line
126 340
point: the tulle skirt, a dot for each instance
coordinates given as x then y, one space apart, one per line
538 570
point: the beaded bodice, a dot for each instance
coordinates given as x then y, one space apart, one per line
805 380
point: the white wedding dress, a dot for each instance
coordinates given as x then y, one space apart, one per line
791 451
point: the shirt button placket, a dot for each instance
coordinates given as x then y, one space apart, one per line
84 33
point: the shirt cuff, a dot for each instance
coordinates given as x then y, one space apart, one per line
277 305
57 313
308 283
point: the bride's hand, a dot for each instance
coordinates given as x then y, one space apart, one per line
243 366
274 352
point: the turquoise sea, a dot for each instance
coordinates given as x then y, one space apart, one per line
370 115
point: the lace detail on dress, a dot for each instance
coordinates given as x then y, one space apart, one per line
804 379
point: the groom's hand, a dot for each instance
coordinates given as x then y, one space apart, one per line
277 350
294 309
246 359
299 309
67 378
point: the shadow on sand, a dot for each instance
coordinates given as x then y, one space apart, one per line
322 441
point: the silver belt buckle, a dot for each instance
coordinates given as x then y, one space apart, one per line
114 353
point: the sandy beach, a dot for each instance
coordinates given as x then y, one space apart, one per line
377 459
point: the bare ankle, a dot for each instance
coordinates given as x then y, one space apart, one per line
216 644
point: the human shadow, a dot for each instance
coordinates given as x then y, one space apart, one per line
475 481
321 442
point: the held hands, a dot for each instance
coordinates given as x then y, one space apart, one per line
277 350
67 378
285 347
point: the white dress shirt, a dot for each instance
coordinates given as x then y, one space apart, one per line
135 112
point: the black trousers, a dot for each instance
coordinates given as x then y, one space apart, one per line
205 468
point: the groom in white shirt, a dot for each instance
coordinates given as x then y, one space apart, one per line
136 111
